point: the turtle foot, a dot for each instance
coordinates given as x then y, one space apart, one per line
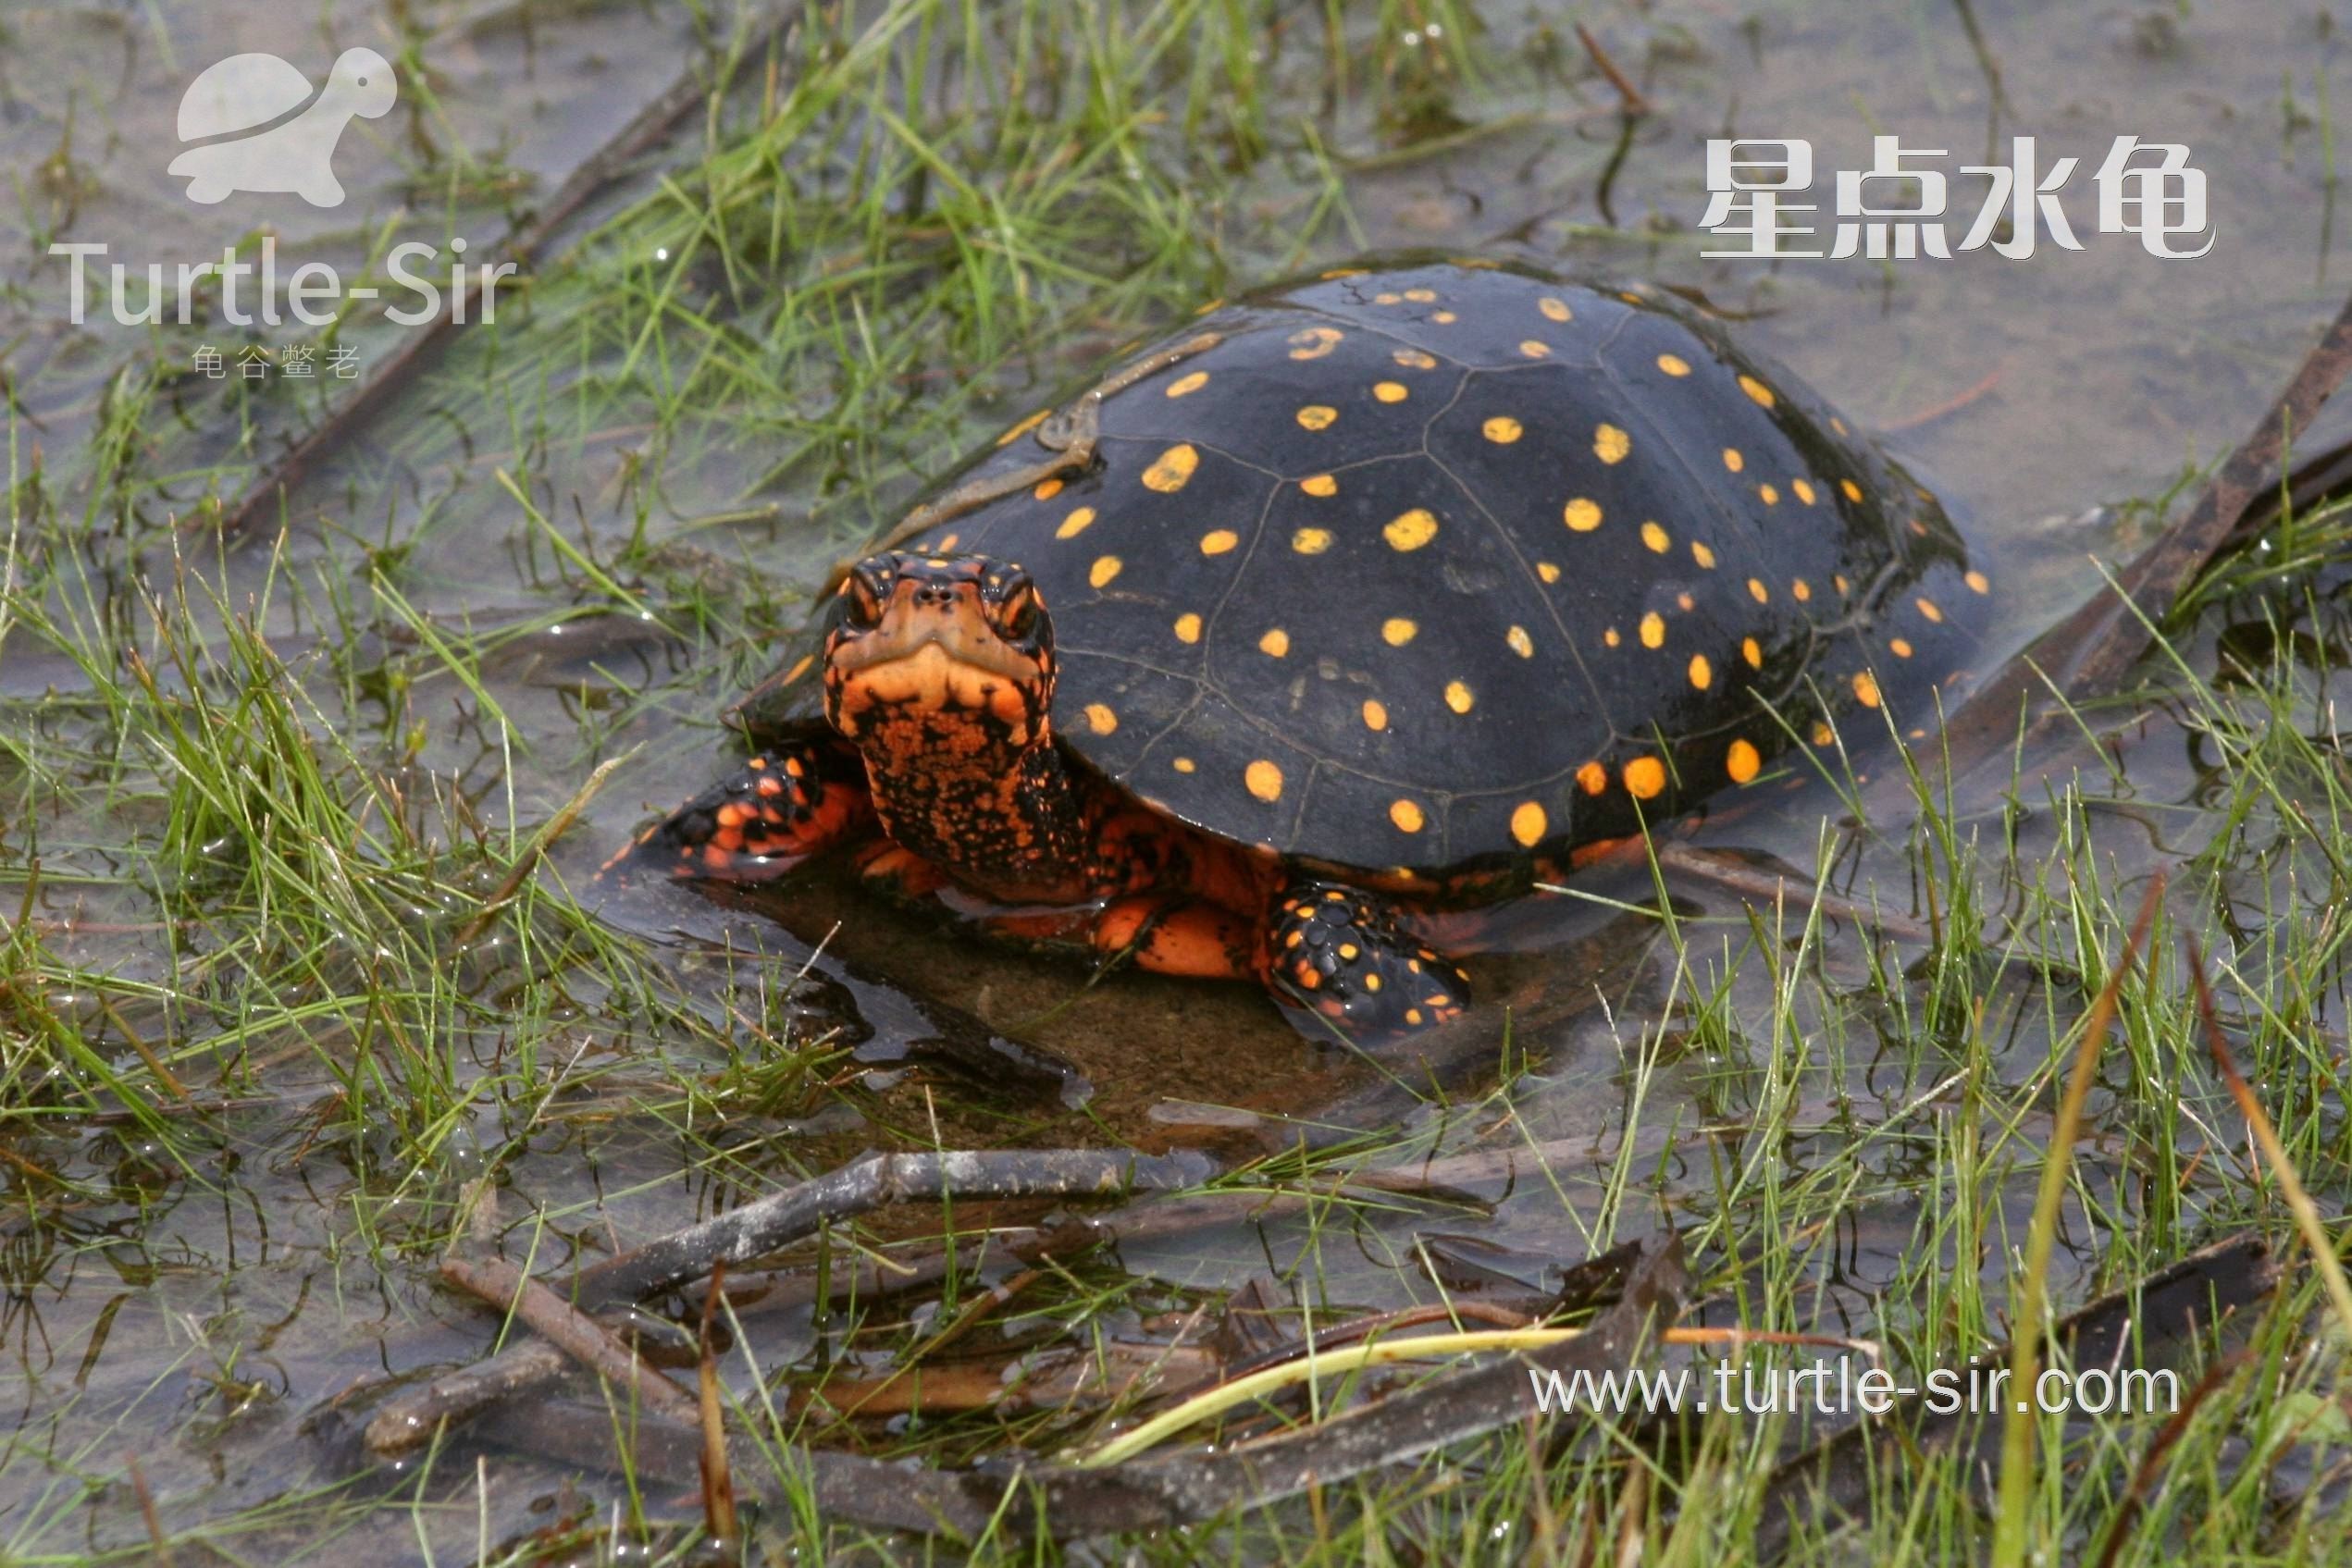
1340 954
773 814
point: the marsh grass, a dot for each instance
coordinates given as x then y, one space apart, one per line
269 813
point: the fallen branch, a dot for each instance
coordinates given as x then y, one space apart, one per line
577 1335
1848 1476
2088 655
411 1419
1069 1501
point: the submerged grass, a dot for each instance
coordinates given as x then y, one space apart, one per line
285 974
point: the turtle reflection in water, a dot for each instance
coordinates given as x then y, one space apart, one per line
1383 594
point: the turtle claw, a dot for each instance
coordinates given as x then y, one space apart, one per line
1340 954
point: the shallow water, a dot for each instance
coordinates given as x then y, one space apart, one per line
193 1316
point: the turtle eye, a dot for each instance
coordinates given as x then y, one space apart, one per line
1019 617
861 604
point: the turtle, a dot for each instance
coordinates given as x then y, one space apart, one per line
288 151
1364 602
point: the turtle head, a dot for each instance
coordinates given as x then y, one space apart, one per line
951 655
363 78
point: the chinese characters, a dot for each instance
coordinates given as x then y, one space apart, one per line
1899 207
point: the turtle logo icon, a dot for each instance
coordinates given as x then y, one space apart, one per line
257 127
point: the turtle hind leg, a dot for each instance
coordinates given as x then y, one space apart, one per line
1340 954
781 807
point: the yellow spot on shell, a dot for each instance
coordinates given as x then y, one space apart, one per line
1264 780
1374 715
1075 524
1458 698
1548 570
1411 530
1655 537
1421 296
1554 309
1771 496
1183 764
1927 608
1645 777
1104 569
1313 342
1397 631
1732 460
1311 541
1407 816
1838 578
1017 431
1654 630
1741 761
1581 515
1275 643
1753 651
1502 429
1609 635
1342 272
1978 582
1866 688
1756 390
1822 733
1757 591
1803 589
1175 466
1534 349
1854 491
1902 647
1047 489
1610 444
1320 484
1702 674
1218 541
1804 491
1390 391
1413 359
1317 416
1520 643
1529 824
1189 385
1443 318
1386 298
1702 554
1674 364
1188 627
1100 719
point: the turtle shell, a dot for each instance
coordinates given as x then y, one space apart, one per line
238 94
1440 571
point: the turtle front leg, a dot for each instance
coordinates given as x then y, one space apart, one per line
781 807
1340 953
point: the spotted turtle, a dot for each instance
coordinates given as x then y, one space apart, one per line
1364 598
